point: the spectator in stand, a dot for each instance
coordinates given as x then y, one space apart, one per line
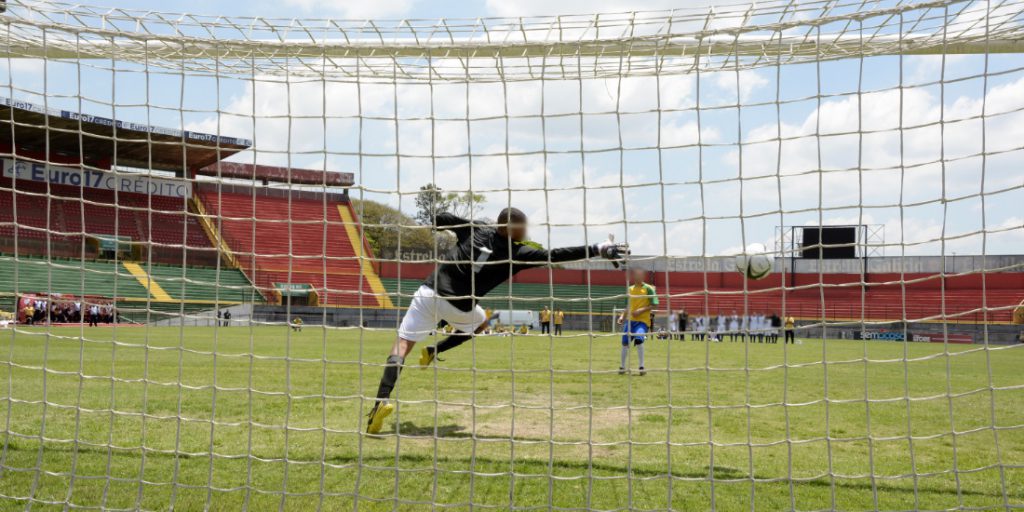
790 326
559 320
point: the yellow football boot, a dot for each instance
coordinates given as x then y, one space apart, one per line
426 357
377 415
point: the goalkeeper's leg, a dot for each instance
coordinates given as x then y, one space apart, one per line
428 354
392 369
418 321
463 322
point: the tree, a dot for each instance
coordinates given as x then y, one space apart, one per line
386 228
432 200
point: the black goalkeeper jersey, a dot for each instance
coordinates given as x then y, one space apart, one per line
482 259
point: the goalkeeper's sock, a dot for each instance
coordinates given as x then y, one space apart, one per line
392 370
452 341
640 355
625 354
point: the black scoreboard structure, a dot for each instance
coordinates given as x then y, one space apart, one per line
853 243
829 242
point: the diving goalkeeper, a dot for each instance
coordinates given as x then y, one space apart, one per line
484 257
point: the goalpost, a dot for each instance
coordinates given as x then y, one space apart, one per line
247 200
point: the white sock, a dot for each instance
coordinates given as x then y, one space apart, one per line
625 354
640 354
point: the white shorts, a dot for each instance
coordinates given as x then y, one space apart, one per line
427 309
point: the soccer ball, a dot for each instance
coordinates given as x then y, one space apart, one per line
755 262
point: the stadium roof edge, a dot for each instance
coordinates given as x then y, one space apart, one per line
31 127
291 175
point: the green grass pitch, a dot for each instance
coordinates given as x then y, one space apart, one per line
264 418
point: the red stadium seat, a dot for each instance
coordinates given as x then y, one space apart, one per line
295 240
65 213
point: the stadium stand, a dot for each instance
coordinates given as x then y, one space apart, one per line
129 237
112 279
190 289
199 284
244 240
527 296
70 276
71 213
283 239
963 301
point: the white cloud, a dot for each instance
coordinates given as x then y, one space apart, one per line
980 17
877 172
545 172
746 81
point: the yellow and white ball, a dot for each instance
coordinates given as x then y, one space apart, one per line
755 262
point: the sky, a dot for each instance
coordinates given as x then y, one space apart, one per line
670 170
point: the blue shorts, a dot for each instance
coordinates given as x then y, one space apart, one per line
633 330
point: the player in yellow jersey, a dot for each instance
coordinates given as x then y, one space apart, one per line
545 321
1018 319
636 319
790 324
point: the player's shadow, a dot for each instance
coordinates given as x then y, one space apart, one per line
410 429
724 472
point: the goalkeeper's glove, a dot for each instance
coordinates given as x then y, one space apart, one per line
613 251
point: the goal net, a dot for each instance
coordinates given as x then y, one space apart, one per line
213 230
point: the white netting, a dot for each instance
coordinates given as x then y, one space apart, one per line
250 264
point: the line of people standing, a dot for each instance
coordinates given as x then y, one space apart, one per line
549 317
41 311
758 327
224 318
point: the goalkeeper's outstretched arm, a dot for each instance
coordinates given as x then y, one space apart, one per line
462 228
530 255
